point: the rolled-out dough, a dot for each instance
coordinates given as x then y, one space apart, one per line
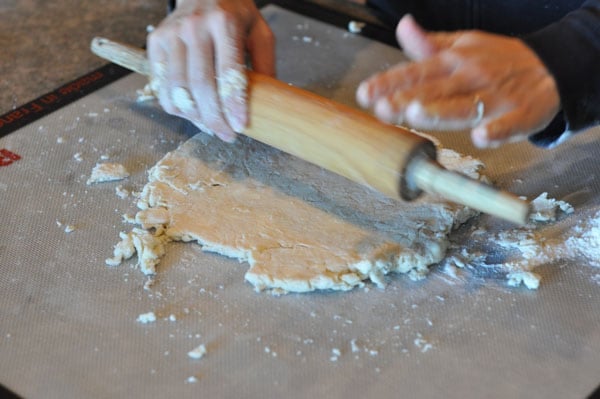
300 228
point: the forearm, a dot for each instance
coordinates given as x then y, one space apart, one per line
570 49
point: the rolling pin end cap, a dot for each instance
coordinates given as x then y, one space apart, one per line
409 188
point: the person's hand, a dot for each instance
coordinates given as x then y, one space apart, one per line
197 57
493 85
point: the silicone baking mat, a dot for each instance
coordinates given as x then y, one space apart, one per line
68 322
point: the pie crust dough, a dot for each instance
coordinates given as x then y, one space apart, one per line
299 227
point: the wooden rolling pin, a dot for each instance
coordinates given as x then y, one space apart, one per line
346 141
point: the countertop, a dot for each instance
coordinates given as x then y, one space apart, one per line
46 43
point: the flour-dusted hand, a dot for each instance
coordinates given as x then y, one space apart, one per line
493 85
198 57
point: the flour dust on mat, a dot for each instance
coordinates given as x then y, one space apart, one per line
299 227
519 251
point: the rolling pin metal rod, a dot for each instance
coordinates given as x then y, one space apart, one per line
346 141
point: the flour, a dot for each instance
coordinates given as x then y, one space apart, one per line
182 99
584 241
233 85
517 252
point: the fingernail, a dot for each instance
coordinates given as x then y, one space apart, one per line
236 116
203 128
228 137
479 137
362 95
417 116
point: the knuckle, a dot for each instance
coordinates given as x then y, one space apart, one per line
220 17
268 38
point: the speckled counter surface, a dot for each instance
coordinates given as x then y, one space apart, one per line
46 43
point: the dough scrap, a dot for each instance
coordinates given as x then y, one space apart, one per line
104 172
299 227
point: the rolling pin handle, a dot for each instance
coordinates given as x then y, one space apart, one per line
432 178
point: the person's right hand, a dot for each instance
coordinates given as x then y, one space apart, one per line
197 56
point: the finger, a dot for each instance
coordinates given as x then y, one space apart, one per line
202 84
413 39
437 99
401 77
157 55
176 82
261 46
232 83
446 114
534 107
510 126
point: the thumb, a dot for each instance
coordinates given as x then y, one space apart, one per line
414 40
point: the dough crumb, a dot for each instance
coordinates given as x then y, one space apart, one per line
355 26
198 352
149 248
128 218
529 279
105 172
335 354
121 192
146 318
422 343
148 284
68 228
545 209
145 94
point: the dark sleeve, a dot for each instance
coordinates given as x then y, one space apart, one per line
570 49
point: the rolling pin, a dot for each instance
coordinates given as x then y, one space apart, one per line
346 141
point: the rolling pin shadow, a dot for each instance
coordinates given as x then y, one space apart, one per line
346 141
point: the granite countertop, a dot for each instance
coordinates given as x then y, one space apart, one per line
46 43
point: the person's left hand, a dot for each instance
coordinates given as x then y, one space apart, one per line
493 85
